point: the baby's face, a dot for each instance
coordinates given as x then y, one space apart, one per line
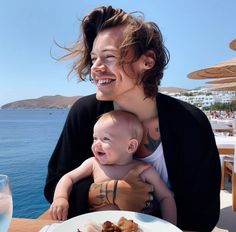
110 142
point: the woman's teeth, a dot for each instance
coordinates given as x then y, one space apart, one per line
104 81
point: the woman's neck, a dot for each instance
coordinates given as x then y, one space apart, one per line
145 109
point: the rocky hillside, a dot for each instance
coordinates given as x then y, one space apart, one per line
172 89
57 101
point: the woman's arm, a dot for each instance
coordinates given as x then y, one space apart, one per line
192 162
162 194
130 193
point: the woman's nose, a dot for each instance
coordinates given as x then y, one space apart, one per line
98 66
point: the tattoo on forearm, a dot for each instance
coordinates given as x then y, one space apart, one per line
102 195
152 143
102 192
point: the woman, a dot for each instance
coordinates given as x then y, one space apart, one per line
125 57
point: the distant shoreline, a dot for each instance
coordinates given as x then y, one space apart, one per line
61 102
45 102
36 108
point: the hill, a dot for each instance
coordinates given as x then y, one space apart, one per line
172 89
57 101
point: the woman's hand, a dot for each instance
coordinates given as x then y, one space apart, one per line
131 192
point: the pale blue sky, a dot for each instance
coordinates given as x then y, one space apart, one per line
197 34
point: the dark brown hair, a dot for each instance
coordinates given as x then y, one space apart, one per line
139 35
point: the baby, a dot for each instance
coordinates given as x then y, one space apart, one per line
116 137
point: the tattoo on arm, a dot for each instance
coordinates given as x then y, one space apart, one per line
100 196
104 193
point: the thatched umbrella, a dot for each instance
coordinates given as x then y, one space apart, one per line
222 87
222 80
225 68
232 44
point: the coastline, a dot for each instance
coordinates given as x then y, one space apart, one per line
45 102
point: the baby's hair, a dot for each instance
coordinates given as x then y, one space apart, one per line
131 121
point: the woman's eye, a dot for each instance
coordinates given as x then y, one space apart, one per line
93 59
110 57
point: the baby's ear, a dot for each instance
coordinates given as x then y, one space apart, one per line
133 145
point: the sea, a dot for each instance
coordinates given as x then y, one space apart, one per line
27 140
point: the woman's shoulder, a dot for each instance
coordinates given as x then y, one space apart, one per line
170 106
89 105
85 101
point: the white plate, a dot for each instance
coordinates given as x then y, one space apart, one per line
146 222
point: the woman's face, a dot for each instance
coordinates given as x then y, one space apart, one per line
113 81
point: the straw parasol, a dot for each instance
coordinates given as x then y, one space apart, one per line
222 80
222 87
225 68
232 44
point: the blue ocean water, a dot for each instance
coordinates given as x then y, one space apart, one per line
27 140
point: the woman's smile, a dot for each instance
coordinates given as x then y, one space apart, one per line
102 82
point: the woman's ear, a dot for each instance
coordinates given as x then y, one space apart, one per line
149 59
133 145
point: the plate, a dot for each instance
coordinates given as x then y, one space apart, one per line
146 222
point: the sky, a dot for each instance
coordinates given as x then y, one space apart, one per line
196 33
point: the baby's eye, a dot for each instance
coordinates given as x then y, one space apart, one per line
94 138
106 139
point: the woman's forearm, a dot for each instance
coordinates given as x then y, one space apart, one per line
130 193
101 194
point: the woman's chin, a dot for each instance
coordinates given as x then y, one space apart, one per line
102 97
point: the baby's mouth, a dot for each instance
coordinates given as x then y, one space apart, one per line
99 153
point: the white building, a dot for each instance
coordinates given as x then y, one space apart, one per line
203 97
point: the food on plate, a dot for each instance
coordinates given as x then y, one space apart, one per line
110 227
127 225
123 225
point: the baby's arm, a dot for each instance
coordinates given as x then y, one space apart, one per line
60 205
162 194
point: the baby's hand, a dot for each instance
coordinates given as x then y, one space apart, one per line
59 209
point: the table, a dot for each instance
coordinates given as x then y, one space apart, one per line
27 224
222 127
226 149
225 141
226 126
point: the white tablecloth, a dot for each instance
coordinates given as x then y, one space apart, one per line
223 140
226 141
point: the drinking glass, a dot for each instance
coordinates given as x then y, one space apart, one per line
5 203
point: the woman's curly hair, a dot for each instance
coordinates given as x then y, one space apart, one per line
139 35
